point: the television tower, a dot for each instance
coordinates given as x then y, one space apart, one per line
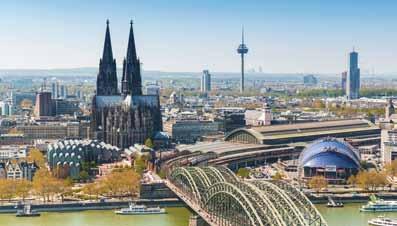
242 49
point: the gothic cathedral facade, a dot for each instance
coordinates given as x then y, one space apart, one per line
127 117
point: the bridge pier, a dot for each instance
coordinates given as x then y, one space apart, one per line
196 220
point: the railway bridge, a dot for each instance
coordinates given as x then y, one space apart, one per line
220 198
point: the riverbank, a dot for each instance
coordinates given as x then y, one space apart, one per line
349 198
81 206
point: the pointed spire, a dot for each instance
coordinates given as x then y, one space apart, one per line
107 49
131 51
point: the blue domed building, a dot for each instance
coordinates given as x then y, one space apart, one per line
334 159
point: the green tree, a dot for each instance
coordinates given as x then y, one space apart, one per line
83 175
278 176
139 164
149 143
243 172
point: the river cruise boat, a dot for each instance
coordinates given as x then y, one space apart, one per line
134 209
382 221
27 212
379 205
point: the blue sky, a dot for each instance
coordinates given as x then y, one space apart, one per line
191 35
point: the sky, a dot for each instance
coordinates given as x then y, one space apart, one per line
307 36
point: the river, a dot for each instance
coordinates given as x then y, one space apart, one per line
346 216
175 217
349 215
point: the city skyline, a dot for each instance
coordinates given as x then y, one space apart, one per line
285 37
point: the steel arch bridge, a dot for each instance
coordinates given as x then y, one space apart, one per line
221 198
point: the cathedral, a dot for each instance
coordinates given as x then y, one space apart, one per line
128 117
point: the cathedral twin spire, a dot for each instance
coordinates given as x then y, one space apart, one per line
131 83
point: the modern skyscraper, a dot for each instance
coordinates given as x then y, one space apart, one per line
205 81
343 82
53 90
43 106
242 50
64 92
353 80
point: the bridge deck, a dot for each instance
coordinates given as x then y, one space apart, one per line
192 204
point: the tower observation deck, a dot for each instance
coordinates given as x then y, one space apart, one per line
242 50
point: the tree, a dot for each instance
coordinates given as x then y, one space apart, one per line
318 182
89 189
149 143
46 185
243 172
36 156
362 180
391 168
83 175
61 187
121 182
371 180
86 166
139 164
352 180
23 188
162 174
7 189
278 176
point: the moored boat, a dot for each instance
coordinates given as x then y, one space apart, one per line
382 221
379 205
134 209
332 204
27 212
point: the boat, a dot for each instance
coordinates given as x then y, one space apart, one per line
382 221
27 212
134 209
332 204
379 205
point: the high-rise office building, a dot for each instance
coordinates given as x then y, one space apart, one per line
64 92
343 82
43 106
55 90
353 80
205 81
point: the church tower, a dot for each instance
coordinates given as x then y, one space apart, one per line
131 83
106 84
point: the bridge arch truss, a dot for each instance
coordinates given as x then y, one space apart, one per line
234 202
